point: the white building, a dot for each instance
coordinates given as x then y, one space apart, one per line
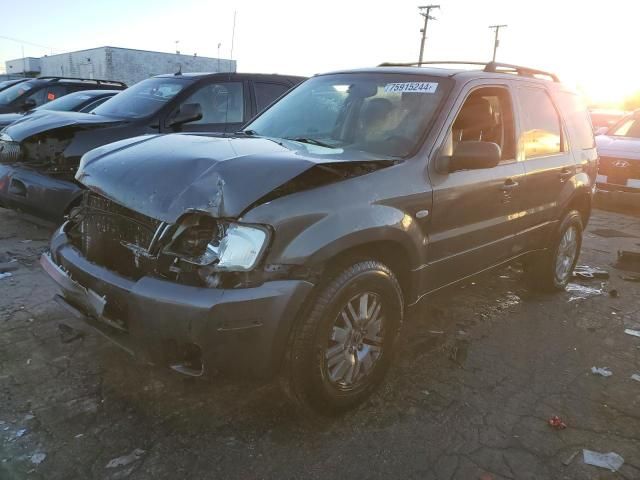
113 63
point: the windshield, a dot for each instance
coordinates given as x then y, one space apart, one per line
627 127
382 114
67 103
142 99
15 91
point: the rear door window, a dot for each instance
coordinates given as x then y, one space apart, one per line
541 128
266 93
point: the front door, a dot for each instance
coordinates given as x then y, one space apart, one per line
225 107
475 211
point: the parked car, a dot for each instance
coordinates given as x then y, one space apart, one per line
82 101
619 167
25 96
296 246
41 153
7 83
602 119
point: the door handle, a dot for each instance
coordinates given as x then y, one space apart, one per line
509 184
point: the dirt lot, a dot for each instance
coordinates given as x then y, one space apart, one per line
481 370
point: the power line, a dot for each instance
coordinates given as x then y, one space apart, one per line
24 42
496 41
425 12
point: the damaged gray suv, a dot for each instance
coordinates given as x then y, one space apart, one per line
295 247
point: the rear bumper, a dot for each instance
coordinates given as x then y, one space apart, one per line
23 188
618 194
242 331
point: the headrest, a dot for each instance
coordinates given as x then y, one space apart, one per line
476 113
376 109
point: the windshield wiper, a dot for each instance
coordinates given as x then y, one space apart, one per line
311 141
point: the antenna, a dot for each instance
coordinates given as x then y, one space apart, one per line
233 32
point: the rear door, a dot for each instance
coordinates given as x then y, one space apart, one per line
549 165
475 212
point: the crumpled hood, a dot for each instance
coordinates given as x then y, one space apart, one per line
40 122
619 147
163 176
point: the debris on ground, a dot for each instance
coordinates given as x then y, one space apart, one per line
613 293
611 233
38 458
602 371
628 260
69 334
9 266
631 278
635 377
20 433
459 351
567 461
581 292
587 272
611 461
126 459
5 275
557 423
635 333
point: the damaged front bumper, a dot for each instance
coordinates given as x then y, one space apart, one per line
194 330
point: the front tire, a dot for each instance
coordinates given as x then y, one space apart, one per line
342 346
551 270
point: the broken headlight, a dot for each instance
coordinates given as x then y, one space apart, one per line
229 247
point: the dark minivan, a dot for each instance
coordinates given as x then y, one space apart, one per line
296 246
39 155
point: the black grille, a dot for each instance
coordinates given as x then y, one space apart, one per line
619 170
9 152
112 235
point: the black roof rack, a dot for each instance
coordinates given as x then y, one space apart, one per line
493 67
87 80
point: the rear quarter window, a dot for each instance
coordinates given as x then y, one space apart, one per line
577 119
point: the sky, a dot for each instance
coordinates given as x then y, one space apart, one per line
589 44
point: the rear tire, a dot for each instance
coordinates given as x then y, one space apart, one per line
341 347
552 269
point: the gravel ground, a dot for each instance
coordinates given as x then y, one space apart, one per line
481 369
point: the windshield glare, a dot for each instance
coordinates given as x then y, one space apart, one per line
628 127
142 99
381 114
16 91
66 103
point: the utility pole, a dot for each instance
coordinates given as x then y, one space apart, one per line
496 42
425 12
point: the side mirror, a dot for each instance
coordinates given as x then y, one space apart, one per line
472 155
601 131
28 104
189 112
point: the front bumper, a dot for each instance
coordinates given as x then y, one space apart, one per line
243 331
26 189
